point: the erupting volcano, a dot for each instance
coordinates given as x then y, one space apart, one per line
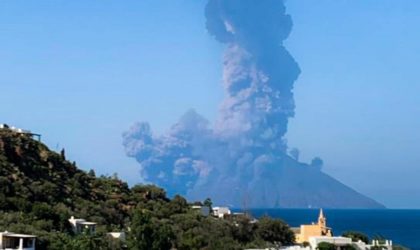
241 159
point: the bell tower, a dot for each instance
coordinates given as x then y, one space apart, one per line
322 221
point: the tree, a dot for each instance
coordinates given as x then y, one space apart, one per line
178 205
208 203
43 211
149 234
326 246
275 231
140 237
317 163
244 231
92 173
348 247
163 236
63 154
356 236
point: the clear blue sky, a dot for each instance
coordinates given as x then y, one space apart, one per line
81 72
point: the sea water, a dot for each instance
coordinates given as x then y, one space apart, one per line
400 226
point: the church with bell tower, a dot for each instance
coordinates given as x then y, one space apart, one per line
303 232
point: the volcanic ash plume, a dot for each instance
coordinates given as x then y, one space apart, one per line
235 158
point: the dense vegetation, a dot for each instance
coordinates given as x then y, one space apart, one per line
40 190
356 236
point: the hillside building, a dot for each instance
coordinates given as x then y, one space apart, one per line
81 225
21 131
12 241
221 211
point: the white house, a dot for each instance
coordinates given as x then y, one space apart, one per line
343 241
81 225
221 211
12 241
385 245
337 241
20 131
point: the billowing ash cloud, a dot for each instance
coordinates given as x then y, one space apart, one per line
227 160
171 160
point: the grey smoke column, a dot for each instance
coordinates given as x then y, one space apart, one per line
245 146
258 71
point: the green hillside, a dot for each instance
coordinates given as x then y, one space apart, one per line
40 190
